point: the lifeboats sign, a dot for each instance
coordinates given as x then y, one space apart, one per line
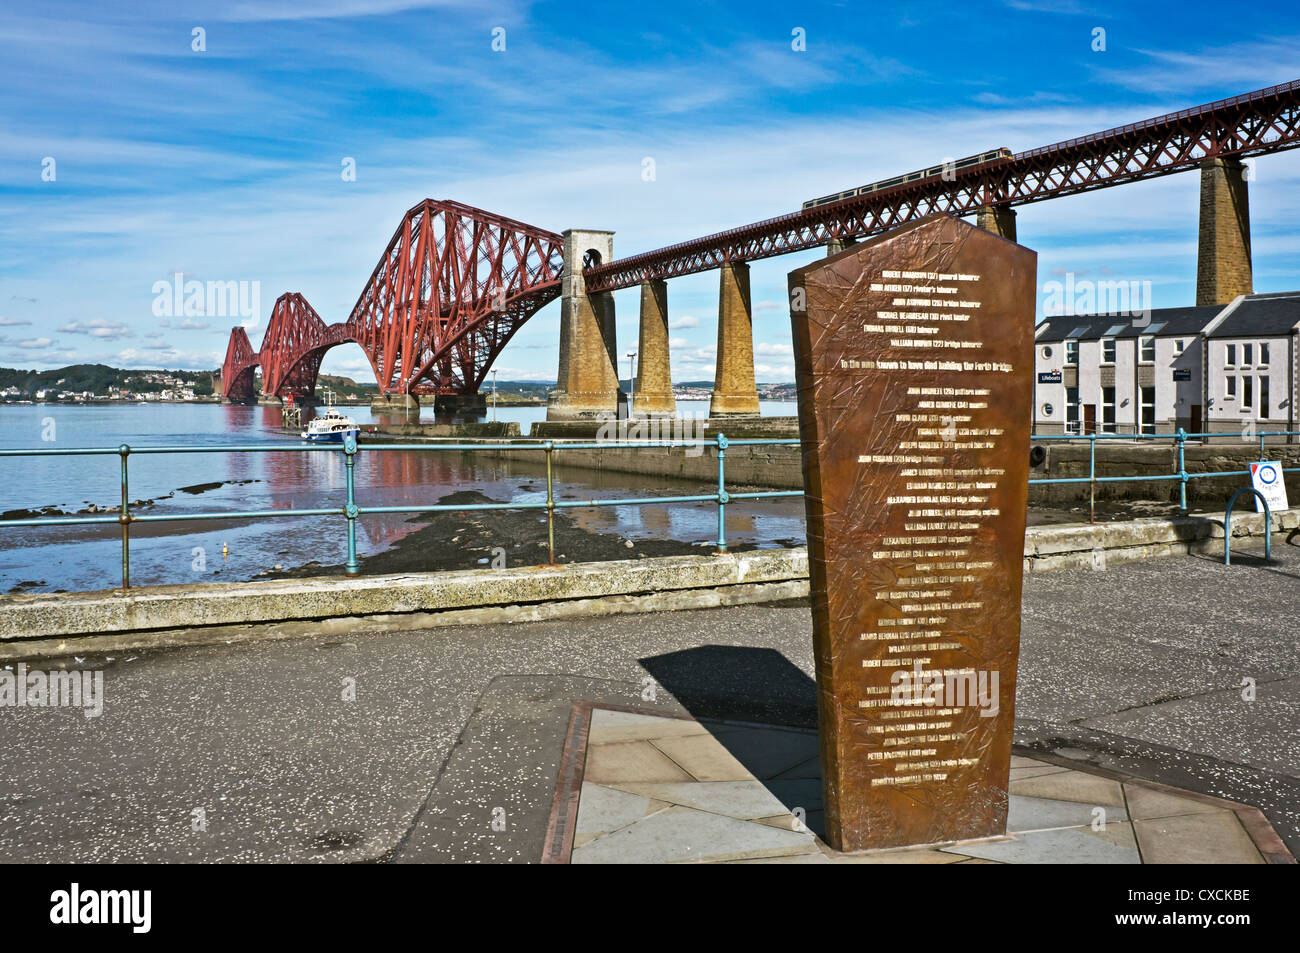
1266 477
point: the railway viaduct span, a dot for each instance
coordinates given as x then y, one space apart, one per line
455 282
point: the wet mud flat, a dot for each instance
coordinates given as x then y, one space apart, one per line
94 509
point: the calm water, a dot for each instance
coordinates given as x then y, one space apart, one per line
89 557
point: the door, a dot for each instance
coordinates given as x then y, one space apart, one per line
1089 418
1195 422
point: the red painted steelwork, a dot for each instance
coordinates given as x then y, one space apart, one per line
1267 120
451 289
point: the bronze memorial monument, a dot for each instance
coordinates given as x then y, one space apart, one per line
913 353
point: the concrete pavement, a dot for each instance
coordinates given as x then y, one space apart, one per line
450 749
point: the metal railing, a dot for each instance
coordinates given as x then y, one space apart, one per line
351 511
721 497
1179 437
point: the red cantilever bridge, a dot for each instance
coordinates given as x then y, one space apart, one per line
455 282
453 286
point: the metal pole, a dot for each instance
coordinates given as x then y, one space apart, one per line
631 369
550 506
349 457
124 518
1182 472
1092 478
721 441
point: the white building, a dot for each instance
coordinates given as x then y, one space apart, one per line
1204 369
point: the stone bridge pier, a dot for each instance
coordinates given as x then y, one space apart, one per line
654 385
1223 267
587 381
735 393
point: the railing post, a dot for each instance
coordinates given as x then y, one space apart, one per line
1092 478
350 511
124 518
550 506
721 441
1182 471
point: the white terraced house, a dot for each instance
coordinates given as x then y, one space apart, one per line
1214 369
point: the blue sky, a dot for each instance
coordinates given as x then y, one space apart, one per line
225 164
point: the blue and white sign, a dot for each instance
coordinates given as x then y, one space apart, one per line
1266 477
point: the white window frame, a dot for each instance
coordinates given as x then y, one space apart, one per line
1143 344
1142 410
1230 355
1113 350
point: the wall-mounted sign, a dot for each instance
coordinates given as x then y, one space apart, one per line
1049 377
1182 373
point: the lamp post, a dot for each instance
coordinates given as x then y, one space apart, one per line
494 395
631 406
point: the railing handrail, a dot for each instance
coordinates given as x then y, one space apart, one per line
720 442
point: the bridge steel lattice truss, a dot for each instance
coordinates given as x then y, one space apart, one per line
456 282
453 286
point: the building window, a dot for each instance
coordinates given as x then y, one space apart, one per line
1263 396
1148 410
1148 347
1247 352
1179 345
1072 410
1047 352
1231 359
1108 410
1071 352
1263 356
1247 385
1230 387
1108 350
1047 410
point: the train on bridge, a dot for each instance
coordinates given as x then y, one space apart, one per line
935 170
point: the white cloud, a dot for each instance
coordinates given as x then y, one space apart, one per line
685 321
98 328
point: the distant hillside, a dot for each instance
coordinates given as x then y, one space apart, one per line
99 378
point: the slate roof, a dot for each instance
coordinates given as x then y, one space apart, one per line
1267 315
1165 322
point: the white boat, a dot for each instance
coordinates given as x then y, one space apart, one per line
331 427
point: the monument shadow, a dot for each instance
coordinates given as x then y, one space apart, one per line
760 707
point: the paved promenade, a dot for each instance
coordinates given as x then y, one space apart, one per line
449 751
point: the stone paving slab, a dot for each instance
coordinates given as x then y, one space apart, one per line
664 789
